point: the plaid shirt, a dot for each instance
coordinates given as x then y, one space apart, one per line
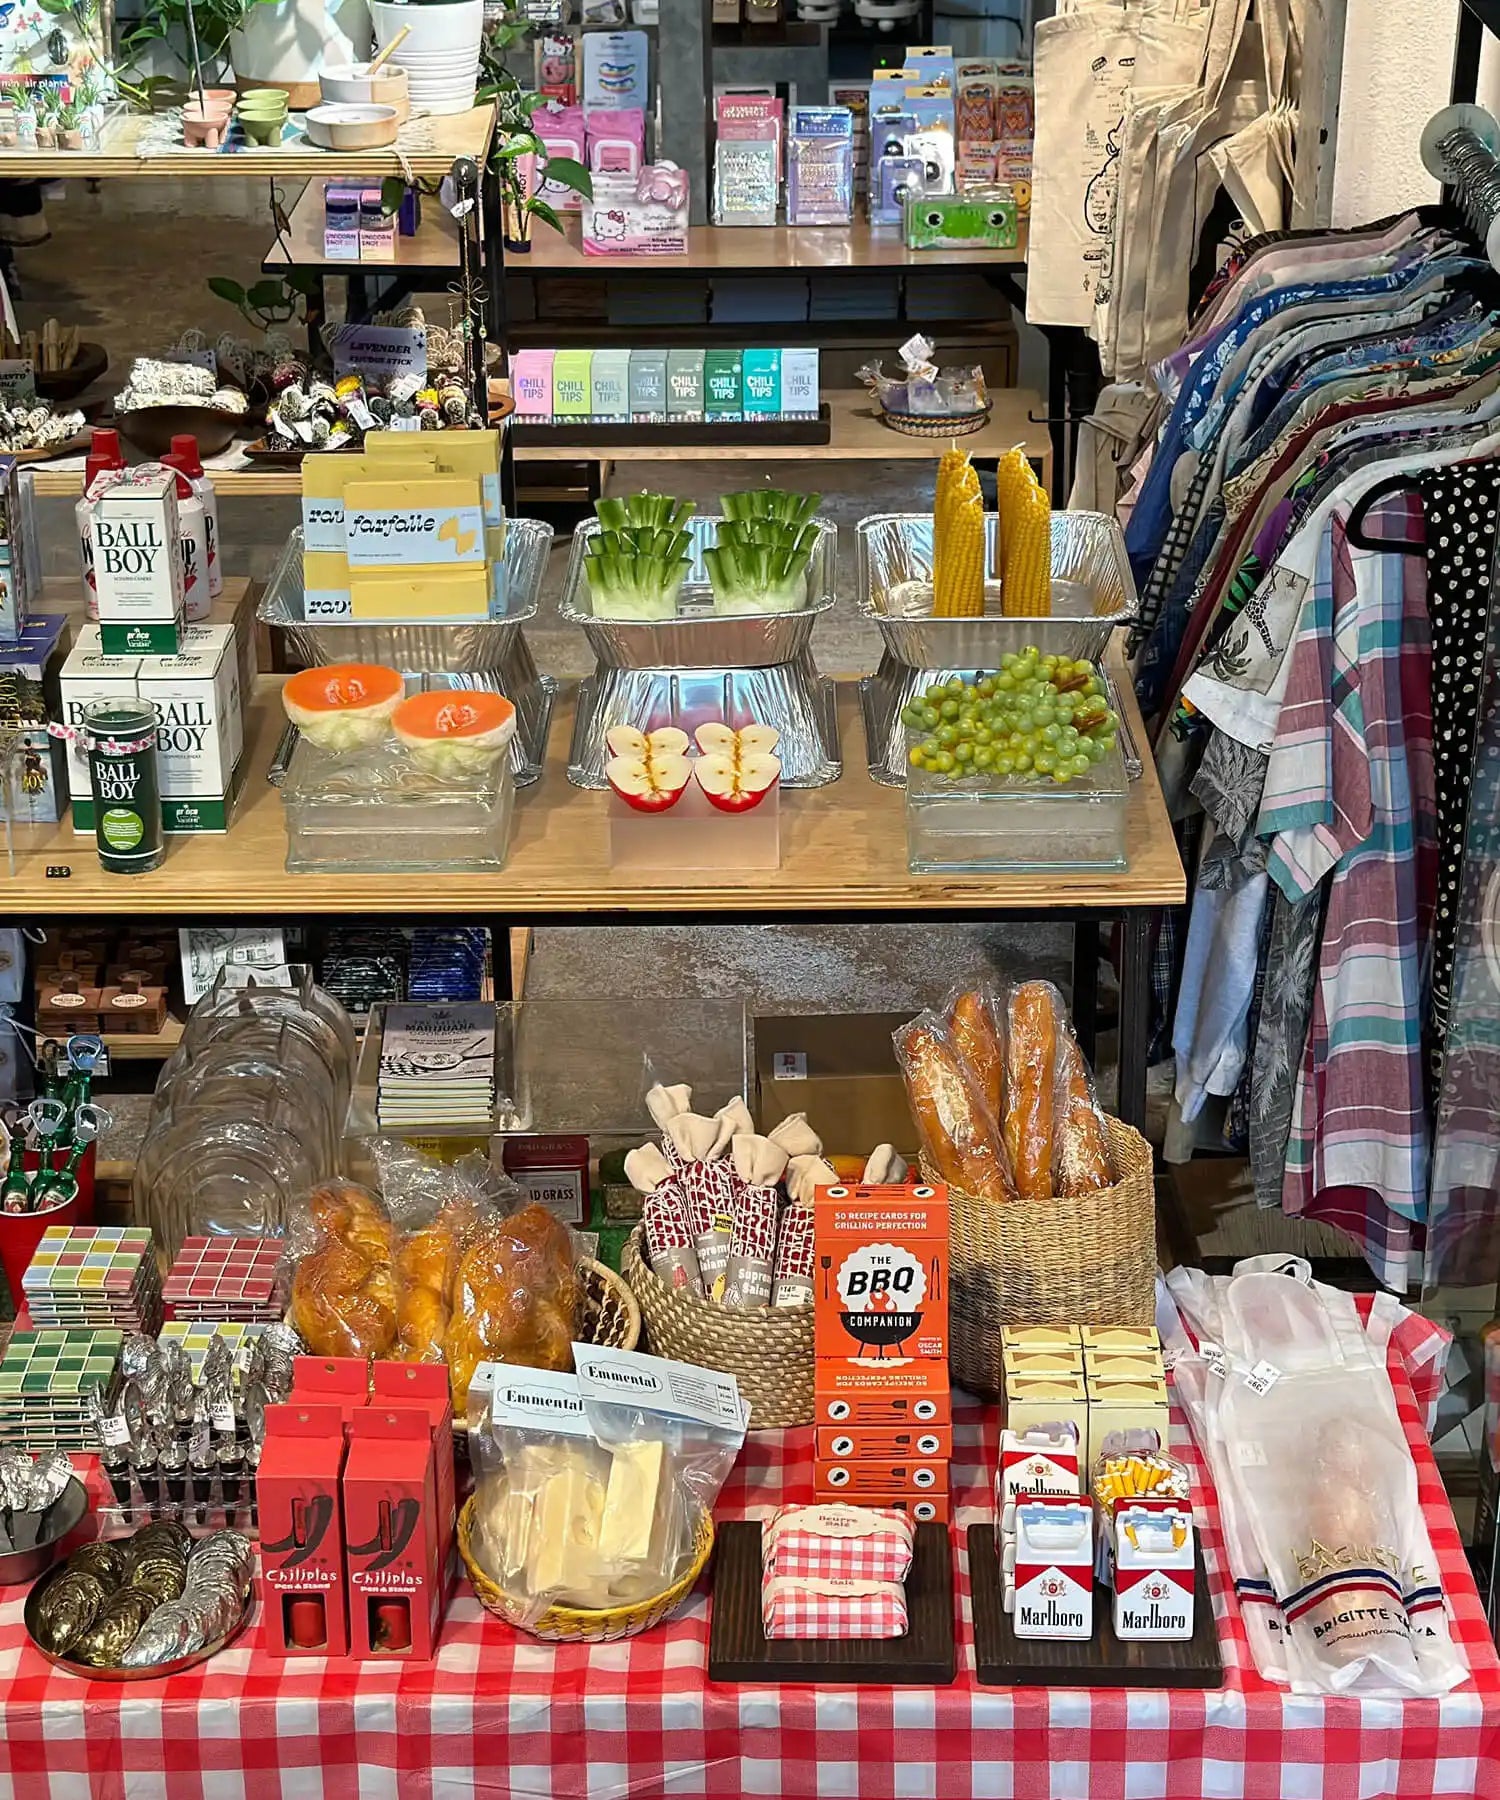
1339 798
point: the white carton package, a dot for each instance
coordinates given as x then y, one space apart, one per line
89 675
1039 1460
202 733
1054 1568
1153 1570
138 570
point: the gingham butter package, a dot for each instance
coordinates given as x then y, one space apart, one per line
797 1608
833 1542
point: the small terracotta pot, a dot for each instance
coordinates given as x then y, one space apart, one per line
202 128
70 140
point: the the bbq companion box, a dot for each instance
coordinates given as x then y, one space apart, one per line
881 1271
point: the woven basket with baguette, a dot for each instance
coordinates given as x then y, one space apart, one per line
1052 1203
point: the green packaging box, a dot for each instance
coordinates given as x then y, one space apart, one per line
572 373
648 385
762 381
609 386
723 385
685 384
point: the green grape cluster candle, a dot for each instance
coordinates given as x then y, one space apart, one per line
1038 716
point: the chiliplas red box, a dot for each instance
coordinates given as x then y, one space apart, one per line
880 1274
300 1496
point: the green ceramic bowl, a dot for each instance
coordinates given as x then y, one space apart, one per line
263 128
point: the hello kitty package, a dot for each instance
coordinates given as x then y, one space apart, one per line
645 214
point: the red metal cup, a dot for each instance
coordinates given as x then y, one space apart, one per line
20 1233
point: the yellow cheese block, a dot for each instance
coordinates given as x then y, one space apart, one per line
634 1503
563 1552
420 593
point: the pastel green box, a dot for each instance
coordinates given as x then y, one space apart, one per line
609 386
685 384
982 219
572 373
723 385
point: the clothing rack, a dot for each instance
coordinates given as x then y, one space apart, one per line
1475 17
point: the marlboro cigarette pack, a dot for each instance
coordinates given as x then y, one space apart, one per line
1054 1568
1153 1569
1039 1461
881 1273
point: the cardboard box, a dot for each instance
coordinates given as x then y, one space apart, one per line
1120 1337
299 1495
854 1478
201 737
426 1387
854 1393
553 1170
1037 1400
138 567
1127 1406
1054 1568
30 697
922 1509
837 1443
342 1382
1038 1461
89 675
841 1071
1153 1574
1039 1337
1041 1362
881 1273
396 1549
1124 1365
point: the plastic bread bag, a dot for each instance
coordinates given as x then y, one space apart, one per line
540 1485
436 1207
673 1431
515 1295
959 1134
1034 1020
1081 1161
343 1299
976 1026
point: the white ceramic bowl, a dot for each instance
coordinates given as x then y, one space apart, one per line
336 127
351 86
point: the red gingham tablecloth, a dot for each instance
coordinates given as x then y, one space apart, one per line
501 1715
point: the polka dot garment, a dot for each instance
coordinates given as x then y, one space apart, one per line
1462 508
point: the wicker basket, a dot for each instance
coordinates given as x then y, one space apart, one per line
924 425
581 1625
609 1312
769 1351
1065 1262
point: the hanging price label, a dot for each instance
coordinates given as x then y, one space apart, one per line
1216 1357
1262 1378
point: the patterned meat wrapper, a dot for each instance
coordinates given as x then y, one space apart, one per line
752 1250
793 1283
793 1608
669 1239
837 1542
710 1190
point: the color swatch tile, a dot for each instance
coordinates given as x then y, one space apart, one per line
195 1335
46 1377
227 1278
94 1275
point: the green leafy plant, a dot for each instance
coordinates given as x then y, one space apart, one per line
515 138
274 300
166 23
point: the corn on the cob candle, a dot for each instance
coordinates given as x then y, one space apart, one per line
1025 530
957 540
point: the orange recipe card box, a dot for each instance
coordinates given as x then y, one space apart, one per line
869 1393
880 1274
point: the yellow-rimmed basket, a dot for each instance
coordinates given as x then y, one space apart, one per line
769 1351
1089 1261
583 1625
608 1311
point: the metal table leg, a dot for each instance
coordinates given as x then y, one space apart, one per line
1135 1014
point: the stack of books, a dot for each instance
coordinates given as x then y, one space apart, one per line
437 1066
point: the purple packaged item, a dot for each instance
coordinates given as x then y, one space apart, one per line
820 166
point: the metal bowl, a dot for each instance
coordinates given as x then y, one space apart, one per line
416 647
1093 592
156 1671
714 640
63 1516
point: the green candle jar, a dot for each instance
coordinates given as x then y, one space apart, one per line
120 739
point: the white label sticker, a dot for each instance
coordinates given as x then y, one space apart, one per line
222 1417
1214 1355
1263 1377
1249 1454
789 1065
114 1432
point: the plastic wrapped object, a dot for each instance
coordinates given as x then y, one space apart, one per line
1033 1016
344 1290
960 1136
514 1298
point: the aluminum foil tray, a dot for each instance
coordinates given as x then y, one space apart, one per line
792 698
430 649
712 641
1093 592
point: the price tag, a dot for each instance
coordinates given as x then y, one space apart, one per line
401 423
789 1065
1216 1357
1263 1377
114 1433
195 359
221 1413
1249 1455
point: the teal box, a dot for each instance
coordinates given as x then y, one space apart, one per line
609 386
761 376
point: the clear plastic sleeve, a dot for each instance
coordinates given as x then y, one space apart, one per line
1034 1014
344 1290
1081 1162
975 1016
959 1134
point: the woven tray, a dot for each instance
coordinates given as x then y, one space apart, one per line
769 1351
609 1314
922 425
1059 1262
581 1625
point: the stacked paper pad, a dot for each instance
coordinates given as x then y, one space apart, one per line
437 1066
46 1378
94 1275
835 1571
226 1278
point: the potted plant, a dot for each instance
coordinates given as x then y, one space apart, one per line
46 102
70 125
517 155
441 51
266 43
